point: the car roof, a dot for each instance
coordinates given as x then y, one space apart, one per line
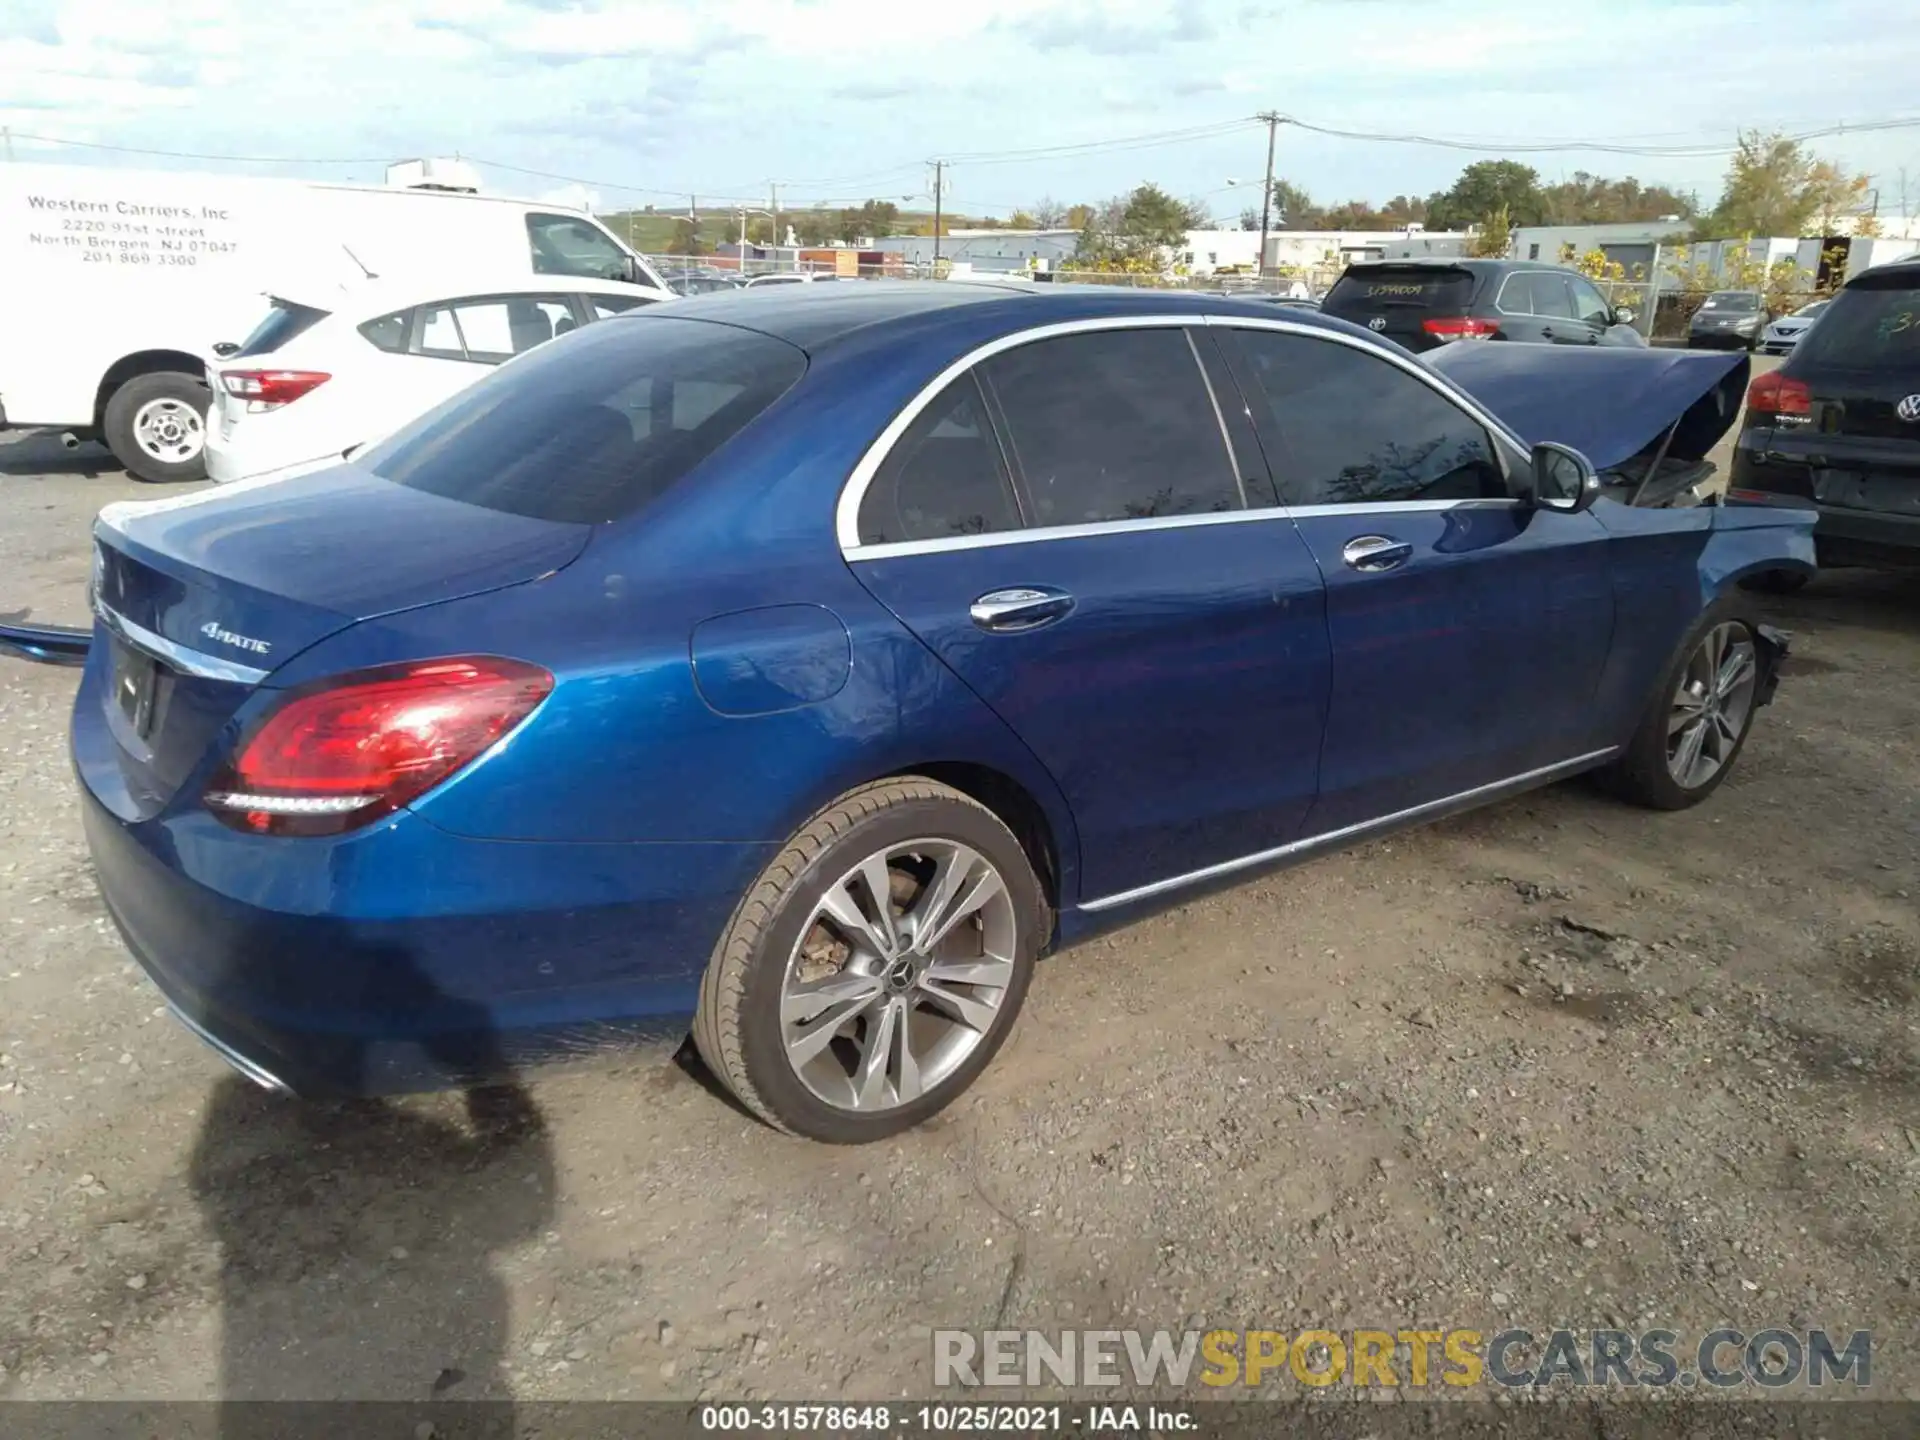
1479 264
816 317
378 297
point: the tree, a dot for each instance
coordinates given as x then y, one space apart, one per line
1199 214
1587 199
814 227
1250 218
1496 235
1485 187
1049 214
1133 232
1775 187
1022 220
686 238
1292 208
1077 216
1403 210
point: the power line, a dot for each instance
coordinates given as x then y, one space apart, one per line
1535 147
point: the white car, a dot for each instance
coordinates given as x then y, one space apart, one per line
788 277
1783 334
316 379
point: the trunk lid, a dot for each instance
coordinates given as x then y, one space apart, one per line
1397 300
200 599
1862 361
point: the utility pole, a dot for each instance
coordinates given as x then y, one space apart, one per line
6 132
939 190
1266 189
773 205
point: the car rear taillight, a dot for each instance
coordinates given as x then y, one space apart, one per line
1777 394
270 389
334 756
1460 327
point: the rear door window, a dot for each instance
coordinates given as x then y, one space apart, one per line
488 329
596 428
389 332
1113 425
945 476
280 324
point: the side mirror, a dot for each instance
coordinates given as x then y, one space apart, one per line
1563 479
1623 317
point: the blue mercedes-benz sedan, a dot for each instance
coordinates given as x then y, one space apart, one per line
804 665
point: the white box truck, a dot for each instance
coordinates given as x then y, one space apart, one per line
116 286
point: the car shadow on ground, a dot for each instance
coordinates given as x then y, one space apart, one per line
39 452
1886 600
397 1212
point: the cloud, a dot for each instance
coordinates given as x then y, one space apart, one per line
648 99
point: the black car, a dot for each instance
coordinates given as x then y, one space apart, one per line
1428 303
1837 427
1729 320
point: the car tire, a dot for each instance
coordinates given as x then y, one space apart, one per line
156 426
760 1025
1649 772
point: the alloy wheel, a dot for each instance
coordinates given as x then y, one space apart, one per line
900 973
1711 705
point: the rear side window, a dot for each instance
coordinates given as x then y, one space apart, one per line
1369 290
284 321
1866 327
1344 427
944 478
389 332
596 428
1113 425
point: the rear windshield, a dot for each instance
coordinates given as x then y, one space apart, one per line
284 321
596 425
1380 289
1866 327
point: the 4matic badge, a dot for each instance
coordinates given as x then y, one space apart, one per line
213 631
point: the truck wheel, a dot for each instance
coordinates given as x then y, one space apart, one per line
156 426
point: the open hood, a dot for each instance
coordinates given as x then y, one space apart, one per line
1608 403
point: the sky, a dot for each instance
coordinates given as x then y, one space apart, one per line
632 102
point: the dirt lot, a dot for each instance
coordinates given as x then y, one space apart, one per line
1559 1062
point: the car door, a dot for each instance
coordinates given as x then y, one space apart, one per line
1553 304
1069 527
1593 313
1469 629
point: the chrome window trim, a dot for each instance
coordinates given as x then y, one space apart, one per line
188 662
846 521
854 492
1332 838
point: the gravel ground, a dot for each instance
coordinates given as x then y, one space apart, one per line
1558 1062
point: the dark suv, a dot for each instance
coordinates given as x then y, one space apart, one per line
1837 427
1426 303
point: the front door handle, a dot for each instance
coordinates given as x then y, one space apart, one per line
1024 607
1376 552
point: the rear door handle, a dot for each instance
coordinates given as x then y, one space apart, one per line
1024 607
1376 552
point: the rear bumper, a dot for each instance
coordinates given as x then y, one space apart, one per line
403 957
232 458
1845 535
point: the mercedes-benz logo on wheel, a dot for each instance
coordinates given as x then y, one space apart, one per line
1379 322
1909 409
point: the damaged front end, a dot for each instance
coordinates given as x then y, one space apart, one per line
1646 418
